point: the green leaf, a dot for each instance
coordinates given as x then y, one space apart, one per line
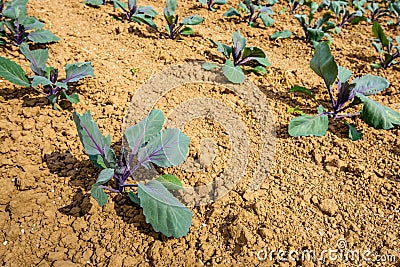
141 133
369 85
163 211
380 34
267 20
168 148
187 31
98 161
344 74
31 23
254 52
37 58
40 80
133 197
231 12
171 182
141 18
105 176
94 2
354 135
377 115
209 66
324 65
303 90
232 73
43 37
62 85
78 71
220 2
258 70
89 133
309 125
13 72
72 98
203 2
99 194
223 48
239 43
282 34
169 11
192 20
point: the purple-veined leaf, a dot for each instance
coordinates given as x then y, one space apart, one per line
169 11
92 139
303 90
163 211
77 71
131 4
239 43
168 148
141 133
72 98
43 37
141 18
37 58
369 85
254 53
13 72
324 65
15 9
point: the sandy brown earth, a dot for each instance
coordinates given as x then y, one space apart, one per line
319 190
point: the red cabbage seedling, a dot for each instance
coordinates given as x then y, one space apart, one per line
133 12
394 8
315 32
349 95
148 144
17 27
241 56
254 11
385 48
211 3
344 15
44 75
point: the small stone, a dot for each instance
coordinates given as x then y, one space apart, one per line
328 207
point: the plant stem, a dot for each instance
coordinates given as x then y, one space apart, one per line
336 116
109 189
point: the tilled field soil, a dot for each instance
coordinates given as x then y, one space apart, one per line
318 191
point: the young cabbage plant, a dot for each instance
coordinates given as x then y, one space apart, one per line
377 11
315 32
44 76
344 15
237 56
97 3
17 27
385 48
147 144
394 9
349 95
254 12
174 28
133 12
212 3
